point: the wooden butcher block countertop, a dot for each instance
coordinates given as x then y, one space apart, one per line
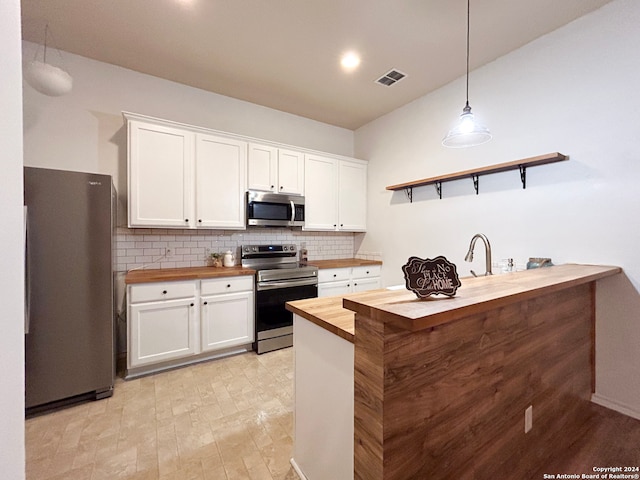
187 273
343 263
328 313
476 295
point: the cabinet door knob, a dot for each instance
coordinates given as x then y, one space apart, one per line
199 220
281 187
334 225
273 186
228 285
164 292
367 272
192 304
334 275
205 303
186 220
342 224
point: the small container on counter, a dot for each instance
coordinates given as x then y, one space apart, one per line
537 262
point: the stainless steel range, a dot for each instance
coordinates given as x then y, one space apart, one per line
279 279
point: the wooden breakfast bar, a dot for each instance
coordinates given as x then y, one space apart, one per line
440 386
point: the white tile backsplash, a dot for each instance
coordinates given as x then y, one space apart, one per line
145 248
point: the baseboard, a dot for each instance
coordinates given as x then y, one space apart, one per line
617 406
297 469
152 368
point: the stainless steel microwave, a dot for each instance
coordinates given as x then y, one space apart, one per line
274 209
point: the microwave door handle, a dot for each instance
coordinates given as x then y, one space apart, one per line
293 211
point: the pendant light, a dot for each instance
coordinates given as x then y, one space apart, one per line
467 132
46 78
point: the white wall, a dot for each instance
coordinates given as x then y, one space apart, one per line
575 91
12 259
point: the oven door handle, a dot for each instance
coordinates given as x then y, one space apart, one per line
286 284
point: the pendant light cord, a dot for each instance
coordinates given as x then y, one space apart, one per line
48 33
468 15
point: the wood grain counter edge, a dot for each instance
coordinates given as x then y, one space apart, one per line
187 273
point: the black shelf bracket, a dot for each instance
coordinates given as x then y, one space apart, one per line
409 192
439 189
523 175
476 181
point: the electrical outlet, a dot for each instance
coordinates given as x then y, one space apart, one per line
528 419
167 252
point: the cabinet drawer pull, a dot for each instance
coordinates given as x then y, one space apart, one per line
186 220
367 272
191 304
164 292
335 275
205 303
228 285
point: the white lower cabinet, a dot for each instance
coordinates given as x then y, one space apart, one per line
226 318
329 289
341 281
181 321
162 331
163 322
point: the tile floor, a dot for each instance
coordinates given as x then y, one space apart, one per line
226 419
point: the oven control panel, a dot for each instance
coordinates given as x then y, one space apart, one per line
275 250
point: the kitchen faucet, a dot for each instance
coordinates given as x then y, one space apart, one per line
487 251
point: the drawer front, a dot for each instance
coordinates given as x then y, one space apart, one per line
242 283
149 292
333 274
366 271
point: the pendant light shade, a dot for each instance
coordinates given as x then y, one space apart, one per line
467 132
46 78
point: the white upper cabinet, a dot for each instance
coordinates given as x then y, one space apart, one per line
290 172
277 170
352 196
220 182
160 172
182 178
320 193
262 167
335 194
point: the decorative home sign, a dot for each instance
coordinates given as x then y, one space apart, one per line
431 276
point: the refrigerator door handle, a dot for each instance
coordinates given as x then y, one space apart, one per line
27 277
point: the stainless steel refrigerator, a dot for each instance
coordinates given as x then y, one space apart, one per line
69 299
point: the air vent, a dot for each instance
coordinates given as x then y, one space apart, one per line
390 78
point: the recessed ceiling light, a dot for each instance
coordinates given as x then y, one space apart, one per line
350 61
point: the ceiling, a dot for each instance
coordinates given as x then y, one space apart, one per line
284 54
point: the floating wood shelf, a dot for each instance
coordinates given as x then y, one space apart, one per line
475 173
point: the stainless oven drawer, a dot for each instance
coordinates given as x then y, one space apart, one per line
283 284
